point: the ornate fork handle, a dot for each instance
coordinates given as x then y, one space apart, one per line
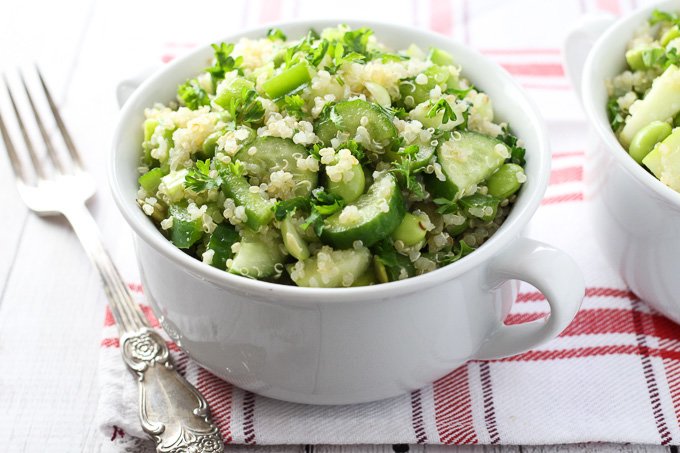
171 410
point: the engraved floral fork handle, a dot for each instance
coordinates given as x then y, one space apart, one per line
171 410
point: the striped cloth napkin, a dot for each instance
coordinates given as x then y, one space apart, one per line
612 376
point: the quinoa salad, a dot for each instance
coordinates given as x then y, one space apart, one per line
328 161
644 100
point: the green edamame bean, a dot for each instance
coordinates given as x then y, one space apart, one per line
506 181
349 190
647 137
410 231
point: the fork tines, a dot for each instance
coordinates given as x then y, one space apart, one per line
59 163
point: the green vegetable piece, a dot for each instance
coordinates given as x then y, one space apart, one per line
287 81
349 190
380 270
455 230
191 95
347 116
664 161
366 279
634 59
232 91
173 184
410 231
258 210
378 213
670 34
647 137
185 231
151 179
389 265
221 240
210 144
274 154
506 181
258 256
466 161
661 102
483 207
350 265
440 57
150 126
292 239
379 93
412 93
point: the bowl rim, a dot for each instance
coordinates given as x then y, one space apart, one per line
512 227
593 109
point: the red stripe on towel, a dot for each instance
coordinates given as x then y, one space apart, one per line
453 408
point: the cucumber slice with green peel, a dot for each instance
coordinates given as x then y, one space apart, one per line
418 160
185 231
346 116
331 268
257 256
349 190
466 161
220 242
292 239
371 218
258 210
664 161
274 154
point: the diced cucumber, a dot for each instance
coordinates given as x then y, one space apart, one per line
379 94
483 207
661 102
653 161
413 93
210 144
273 154
293 240
150 125
376 214
349 190
466 161
440 57
346 116
221 240
185 231
670 34
257 256
172 185
258 210
151 179
287 81
366 279
231 89
347 266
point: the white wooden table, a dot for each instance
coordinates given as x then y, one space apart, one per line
51 303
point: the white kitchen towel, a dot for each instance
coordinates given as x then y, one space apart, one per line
612 376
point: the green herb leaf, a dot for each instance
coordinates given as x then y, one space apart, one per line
293 105
446 206
284 207
516 152
246 108
198 178
224 62
275 34
357 40
442 105
662 16
444 258
615 114
323 204
192 95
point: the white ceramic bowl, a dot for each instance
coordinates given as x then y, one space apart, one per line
637 218
349 345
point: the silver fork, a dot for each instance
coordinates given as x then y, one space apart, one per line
171 410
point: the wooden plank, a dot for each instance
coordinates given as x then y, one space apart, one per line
595 448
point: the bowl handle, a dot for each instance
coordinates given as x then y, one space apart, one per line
555 274
578 43
126 87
